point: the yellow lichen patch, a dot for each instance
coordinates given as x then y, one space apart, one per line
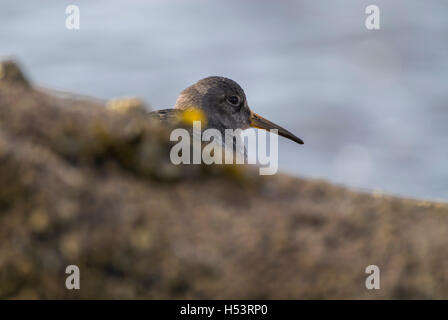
378 193
425 204
23 265
440 205
70 246
141 238
194 114
127 105
39 220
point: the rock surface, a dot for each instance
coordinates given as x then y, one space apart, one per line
82 184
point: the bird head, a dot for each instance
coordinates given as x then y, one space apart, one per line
225 105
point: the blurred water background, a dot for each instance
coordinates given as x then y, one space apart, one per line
372 106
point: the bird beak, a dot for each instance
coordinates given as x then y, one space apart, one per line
257 121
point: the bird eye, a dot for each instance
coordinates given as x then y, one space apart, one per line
234 100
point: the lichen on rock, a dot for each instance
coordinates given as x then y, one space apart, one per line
81 184
10 72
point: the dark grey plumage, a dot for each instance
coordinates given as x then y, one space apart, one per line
224 104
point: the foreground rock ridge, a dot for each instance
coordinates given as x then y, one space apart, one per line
83 184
